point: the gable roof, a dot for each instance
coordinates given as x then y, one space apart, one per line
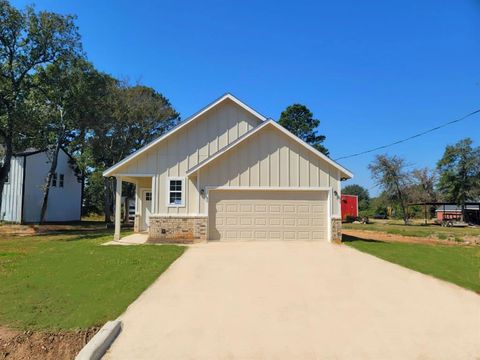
187 121
270 122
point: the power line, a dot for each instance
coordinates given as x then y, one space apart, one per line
410 137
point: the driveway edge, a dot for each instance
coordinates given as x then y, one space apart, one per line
99 344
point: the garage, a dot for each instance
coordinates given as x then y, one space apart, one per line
268 215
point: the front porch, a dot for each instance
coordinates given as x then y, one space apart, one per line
144 202
158 227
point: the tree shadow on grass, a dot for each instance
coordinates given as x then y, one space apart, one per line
349 239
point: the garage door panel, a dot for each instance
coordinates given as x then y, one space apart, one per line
303 235
267 215
260 208
275 208
318 209
246 235
303 222
303 209
231 208
275 235
275 221
245 220
289 235
246 208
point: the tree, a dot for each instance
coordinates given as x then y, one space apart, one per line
133 116
459 172
389 173
361 193
70 93
298 119
28 42
423 186
94 193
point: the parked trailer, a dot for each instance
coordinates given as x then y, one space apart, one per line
349 206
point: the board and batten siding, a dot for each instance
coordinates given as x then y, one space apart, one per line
64 203
190 145
270 158
12 192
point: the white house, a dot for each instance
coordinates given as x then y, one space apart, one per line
23 193
229 173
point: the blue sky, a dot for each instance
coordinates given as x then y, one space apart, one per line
372 71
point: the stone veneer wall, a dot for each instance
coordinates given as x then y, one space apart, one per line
337 230
177 229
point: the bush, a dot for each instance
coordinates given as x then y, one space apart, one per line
350 219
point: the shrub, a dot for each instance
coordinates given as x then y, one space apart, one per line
350 219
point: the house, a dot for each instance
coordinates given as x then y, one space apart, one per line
229 173
349 206
22 196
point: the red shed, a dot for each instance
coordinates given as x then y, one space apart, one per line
349 206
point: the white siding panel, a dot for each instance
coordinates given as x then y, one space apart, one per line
64 203
270 159
12 192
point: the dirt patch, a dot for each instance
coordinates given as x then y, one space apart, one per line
28 230
381 236
23 345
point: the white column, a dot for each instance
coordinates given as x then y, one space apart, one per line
155 200
136 224
118 208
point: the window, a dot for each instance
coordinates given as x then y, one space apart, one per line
61 180
175 192
54 179
148 196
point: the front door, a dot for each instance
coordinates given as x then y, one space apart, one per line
146 208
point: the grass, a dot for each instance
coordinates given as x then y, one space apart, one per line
436 231
457 264
68 281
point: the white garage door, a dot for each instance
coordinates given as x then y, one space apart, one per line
267 215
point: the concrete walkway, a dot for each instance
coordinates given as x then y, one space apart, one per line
297 300
133 239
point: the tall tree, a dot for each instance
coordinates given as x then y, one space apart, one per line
298 119
423 186
459 172
71 94
390 174
29 40
134 116
361 193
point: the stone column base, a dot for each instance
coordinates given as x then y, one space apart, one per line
177 229
136 223
337 230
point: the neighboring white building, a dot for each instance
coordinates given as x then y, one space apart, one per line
229 173
23 192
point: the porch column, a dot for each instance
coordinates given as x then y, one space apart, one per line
118 208
154 208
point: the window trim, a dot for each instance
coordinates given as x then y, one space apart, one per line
167 188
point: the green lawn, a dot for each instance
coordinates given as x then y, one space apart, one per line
68 281
439 232
457 264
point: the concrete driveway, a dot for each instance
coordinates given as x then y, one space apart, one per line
297 300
